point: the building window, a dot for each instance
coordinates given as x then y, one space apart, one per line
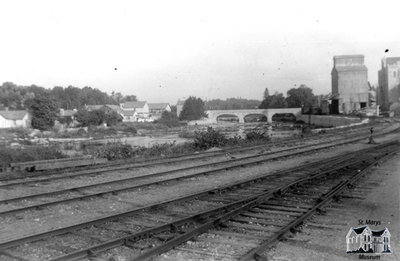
394 73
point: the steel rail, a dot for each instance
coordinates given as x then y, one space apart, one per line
331 144
58 231
260 199
150 164
256 253
200 154
199 216
70 199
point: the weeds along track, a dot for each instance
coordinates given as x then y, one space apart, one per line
256 211
32 195
191 160
99 169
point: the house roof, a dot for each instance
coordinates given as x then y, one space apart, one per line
378 233
128 113
158 105
135 105
13 115
359 230
98 107
114 107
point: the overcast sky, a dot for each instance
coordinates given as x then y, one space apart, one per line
165 50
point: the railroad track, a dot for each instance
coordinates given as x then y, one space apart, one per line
41 200
124 165
123 229
246 232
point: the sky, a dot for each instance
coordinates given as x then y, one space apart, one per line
162 51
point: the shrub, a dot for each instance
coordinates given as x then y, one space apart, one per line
169 119
165 149
126 127
208 139
256 135
159 150
235 140
114 151
29 153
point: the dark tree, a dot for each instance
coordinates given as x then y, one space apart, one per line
266 93
173 109
231 104
274 101
97 117
193 109
129 98
112 118
299 97
169 119
44 113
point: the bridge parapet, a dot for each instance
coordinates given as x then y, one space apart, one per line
241 114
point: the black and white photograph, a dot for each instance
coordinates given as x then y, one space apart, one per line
187 130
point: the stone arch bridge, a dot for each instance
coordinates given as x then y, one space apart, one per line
241 114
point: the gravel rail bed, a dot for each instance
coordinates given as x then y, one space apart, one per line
18 198
166 217
256 222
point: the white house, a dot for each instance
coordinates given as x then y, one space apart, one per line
13 119
141 108
129 116
363 239
157 109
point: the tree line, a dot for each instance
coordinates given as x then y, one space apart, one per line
295 98
44 104
17 97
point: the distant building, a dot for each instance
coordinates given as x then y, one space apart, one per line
68 116
141 108
13 119
388 77
106 107
157 109
350 89
129 116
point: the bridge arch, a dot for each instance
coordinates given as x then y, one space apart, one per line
227 118
283 117
255 117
